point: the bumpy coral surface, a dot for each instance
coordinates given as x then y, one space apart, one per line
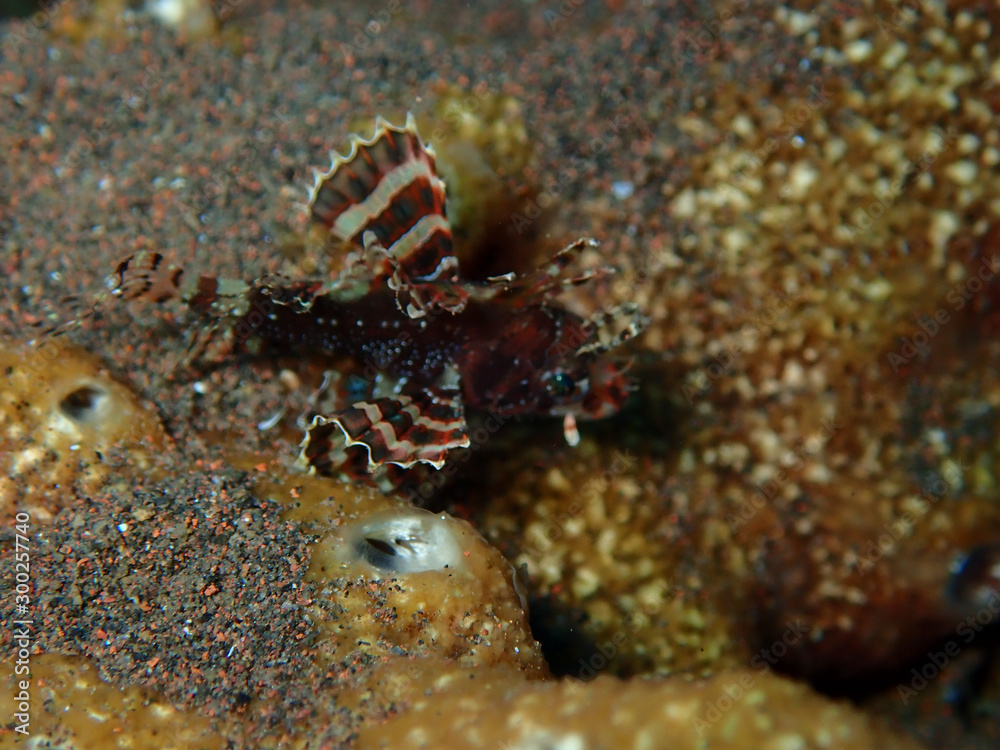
730 710
62 417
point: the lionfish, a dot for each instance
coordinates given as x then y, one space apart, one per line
435 344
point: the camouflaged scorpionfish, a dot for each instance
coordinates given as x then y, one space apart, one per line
440 343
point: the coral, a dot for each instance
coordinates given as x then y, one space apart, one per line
616 561
744 710
193 587
840 454
442 593
488 162
62 420
95 714
196 18
398 542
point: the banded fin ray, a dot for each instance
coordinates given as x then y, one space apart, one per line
613 327
146 276
545 281
416 299
403 430
388 185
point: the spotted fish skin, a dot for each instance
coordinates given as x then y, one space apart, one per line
499 352
401 308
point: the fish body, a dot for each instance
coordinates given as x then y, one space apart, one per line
431 343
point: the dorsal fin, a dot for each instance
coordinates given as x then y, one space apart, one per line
388 185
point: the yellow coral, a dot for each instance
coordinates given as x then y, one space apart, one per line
61 414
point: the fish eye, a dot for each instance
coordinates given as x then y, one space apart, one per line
560 385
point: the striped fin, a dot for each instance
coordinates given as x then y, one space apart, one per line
545 281
388 185
402 430
614 327
542 283
413 298
146 276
